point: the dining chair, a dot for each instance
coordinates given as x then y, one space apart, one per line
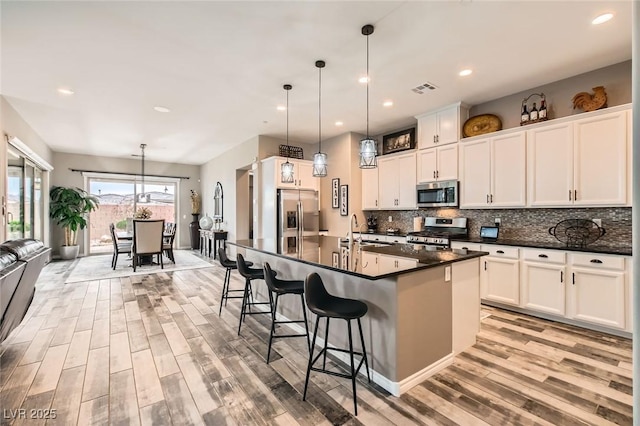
147 240
167 240
118 247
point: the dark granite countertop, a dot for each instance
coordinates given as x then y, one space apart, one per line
621 250
323 251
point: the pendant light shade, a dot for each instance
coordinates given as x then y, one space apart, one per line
368 148
320 158
286 170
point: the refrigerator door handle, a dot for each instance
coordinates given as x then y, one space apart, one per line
301 220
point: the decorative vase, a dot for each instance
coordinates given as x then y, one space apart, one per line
206 222
69 252
194 231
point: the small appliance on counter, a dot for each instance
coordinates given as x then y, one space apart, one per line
393 231
489 234
372 224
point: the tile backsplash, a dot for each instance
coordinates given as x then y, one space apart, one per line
526 224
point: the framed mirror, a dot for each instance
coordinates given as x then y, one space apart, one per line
218 205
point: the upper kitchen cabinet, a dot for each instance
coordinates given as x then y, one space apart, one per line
579 163
442 126
492 172
396 181
370 189
302 173
437 164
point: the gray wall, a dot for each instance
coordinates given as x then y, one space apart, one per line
12 124
62 176
616 80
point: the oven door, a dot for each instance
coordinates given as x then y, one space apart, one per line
437 194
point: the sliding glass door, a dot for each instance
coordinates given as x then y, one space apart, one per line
119 199
24 198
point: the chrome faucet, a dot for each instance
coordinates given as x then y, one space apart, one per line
353 221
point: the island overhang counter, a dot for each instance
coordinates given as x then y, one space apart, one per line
424 303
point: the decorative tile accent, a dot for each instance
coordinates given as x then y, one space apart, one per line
526 224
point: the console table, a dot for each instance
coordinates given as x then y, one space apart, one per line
212 240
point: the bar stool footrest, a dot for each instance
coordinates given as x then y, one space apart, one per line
333 373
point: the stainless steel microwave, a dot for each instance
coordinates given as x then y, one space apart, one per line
437 194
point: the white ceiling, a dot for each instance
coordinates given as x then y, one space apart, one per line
220 66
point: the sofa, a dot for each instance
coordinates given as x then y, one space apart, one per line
21 262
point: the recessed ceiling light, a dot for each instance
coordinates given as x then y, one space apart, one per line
161 109
364 79
387 103
281 108
339 123
465 73
602 18
65 91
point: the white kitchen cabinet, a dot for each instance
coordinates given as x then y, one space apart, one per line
396 175
492 172
369 263
370 189
500 275
543 281
438 164
302 174
579 163
388 264
597 292
441 127
465 295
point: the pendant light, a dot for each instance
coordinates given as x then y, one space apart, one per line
142 197
368 150
320 158
286 170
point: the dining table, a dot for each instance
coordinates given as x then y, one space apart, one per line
128 236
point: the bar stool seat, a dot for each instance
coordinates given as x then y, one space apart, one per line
249 275
281 287
326 305
230 265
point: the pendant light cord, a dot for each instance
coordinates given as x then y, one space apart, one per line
368 80
287 122
319 109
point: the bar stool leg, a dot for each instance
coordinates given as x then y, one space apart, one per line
313 344
326 342
364 351
274 309
225 284
244 304
353 372
306 325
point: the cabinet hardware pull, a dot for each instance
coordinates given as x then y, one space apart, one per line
573 278
595 261
544 256
569 195
434 138
561 276
434 173
575 195
466 248
491 198
485 265
487 198
437 173
500 251
438 138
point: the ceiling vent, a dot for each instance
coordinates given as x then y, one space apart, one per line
423 88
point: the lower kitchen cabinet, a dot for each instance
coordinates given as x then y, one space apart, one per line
388 264
598 297
500 281
543 287
369 263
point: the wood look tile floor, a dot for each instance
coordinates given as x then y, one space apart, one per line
151 349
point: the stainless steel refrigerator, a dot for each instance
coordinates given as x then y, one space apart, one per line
298 219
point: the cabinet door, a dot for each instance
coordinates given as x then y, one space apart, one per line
427 131
448 128
598 297
406 176
386 264
427 165
304 176
278 177
370 189
475 174
388 183
543 287
550 165
600 166
508 171
501 280
369 263
447 162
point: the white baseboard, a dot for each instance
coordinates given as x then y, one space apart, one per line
394 388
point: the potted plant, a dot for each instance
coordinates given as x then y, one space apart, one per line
69 208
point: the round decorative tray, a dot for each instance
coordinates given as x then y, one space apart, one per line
481 124
577 232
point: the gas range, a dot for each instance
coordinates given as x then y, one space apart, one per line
439 231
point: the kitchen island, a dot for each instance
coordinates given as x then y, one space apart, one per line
424 303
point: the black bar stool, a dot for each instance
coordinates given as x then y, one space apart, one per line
230 265
249 275
281 287
323 304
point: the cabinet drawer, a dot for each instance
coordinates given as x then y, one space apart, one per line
600 261
395 239
546 256
500 251
465 245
